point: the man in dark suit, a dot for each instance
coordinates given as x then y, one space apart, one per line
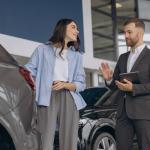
133 114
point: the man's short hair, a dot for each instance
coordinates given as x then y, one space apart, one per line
138 22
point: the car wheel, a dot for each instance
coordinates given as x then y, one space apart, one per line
104 141
6 142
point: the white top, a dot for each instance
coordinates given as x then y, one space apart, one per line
61 66
133 57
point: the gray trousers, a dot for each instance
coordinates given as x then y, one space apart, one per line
62 113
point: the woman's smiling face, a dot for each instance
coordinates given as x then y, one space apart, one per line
71 32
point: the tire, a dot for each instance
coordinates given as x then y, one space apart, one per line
6 142
104 141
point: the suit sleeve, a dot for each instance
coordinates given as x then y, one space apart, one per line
141 89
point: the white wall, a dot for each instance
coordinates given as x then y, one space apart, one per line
18 46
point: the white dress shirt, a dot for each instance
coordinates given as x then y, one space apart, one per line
133 56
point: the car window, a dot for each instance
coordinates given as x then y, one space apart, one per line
109 98
92 95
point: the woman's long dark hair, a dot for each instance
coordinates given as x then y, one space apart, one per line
60 33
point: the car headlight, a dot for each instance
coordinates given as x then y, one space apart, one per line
82 121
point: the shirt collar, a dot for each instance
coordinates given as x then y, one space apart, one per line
138 49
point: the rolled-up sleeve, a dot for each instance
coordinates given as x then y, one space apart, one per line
79 79
33 63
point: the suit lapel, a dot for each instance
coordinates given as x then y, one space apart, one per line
125 62
139 59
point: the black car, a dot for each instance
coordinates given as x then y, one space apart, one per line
97 120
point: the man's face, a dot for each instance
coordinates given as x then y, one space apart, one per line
132 34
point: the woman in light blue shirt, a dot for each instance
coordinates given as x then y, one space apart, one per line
59 77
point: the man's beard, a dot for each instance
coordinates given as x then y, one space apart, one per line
131 43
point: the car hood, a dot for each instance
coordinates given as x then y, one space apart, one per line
94 112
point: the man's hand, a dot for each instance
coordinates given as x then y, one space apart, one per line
125 86
106 71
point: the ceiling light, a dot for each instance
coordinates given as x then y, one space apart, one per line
118 5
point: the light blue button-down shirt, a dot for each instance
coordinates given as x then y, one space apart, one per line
41 65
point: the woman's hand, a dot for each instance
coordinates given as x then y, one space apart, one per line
58 85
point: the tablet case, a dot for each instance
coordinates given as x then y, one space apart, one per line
131 76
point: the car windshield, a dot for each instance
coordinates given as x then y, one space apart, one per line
92 95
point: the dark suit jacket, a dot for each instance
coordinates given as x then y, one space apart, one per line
137 102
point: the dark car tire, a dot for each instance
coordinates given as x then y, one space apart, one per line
104 141
6 142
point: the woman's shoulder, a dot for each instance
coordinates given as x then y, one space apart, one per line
77 52
77 56
43 47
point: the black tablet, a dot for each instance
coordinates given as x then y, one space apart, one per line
131 76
